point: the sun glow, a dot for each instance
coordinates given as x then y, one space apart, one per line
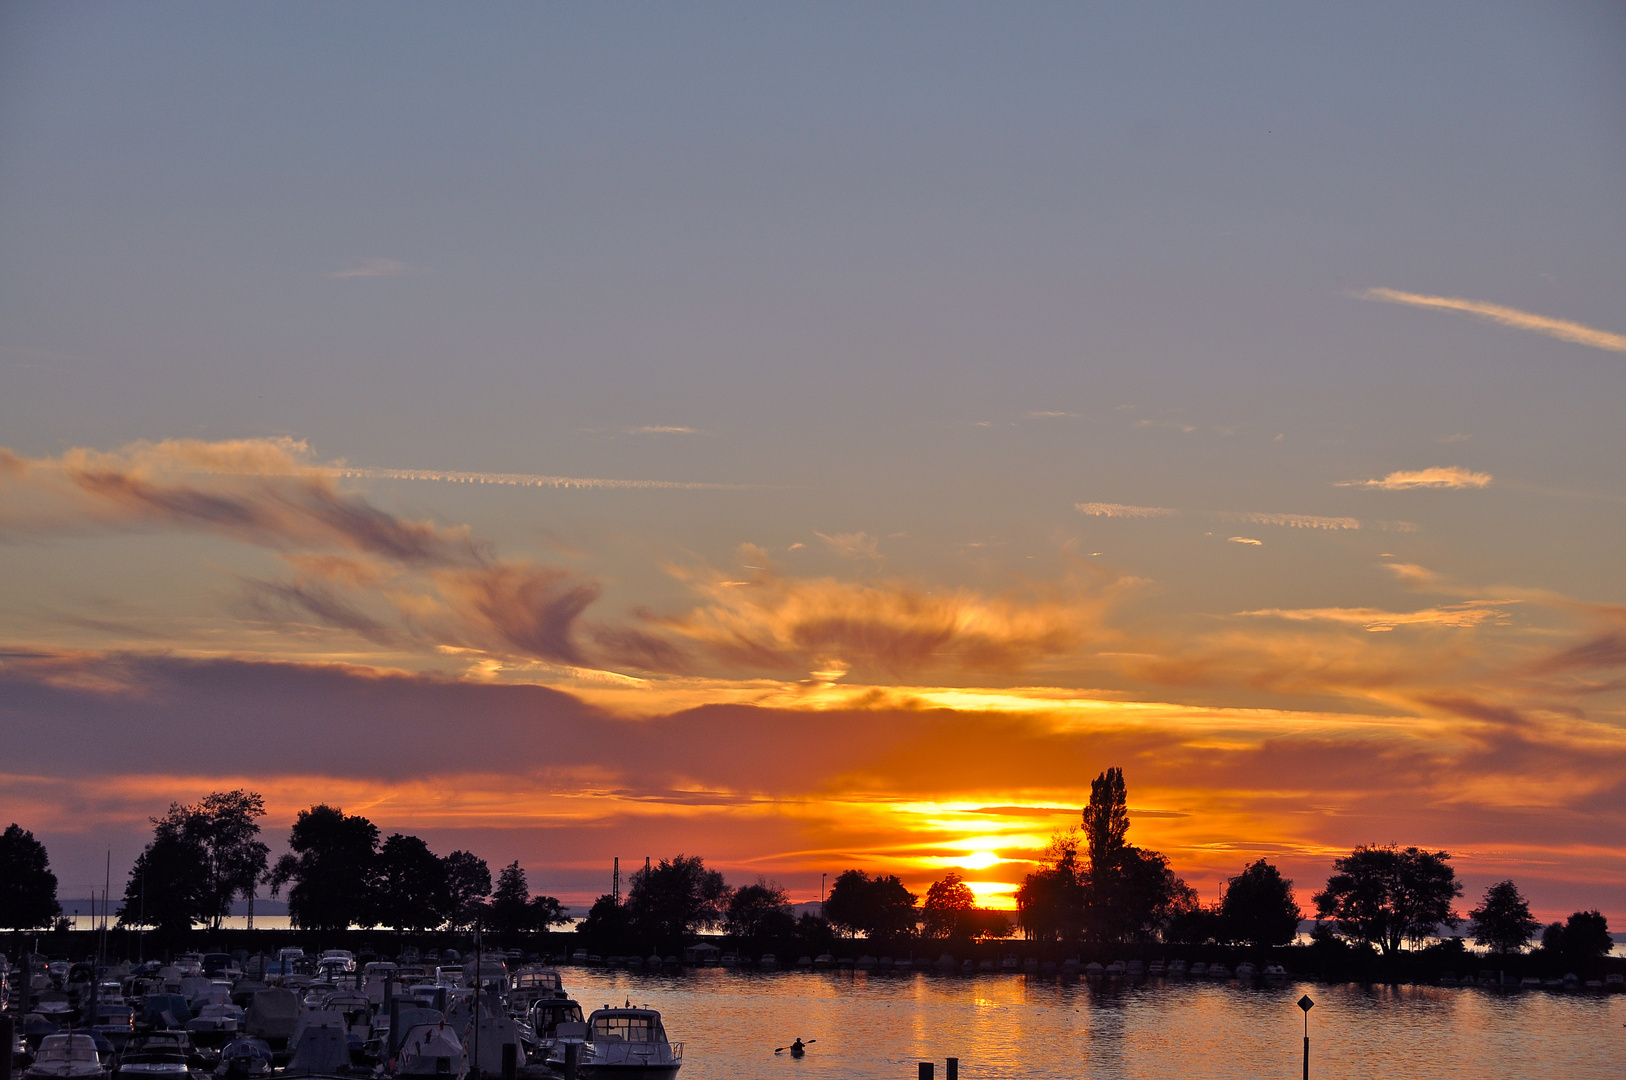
995 895
978 860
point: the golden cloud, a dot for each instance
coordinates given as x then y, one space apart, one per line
1470 614
1435 476
796 625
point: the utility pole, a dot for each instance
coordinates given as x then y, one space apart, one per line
615 882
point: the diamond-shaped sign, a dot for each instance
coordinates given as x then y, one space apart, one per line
1305 1003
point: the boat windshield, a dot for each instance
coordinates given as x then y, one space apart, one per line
634 1027
550 1014
67 1048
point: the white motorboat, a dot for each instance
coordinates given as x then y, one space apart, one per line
66 1057
629 1044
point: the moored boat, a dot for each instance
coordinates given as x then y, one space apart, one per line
628 1044
244 1058
66 1057
160 1055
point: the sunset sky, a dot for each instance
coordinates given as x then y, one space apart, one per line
821 436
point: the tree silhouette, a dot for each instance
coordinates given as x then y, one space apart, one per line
468 882
878 907
1259 906
166 885
949 903
1120 892
1552 938
410 885
1388 897
1106 820
674 898
1137 898
1050 902
225 826
1129 892
201 858
511 898
1502 921
607 928
513 910
330 863
27 886
1585 938
759 912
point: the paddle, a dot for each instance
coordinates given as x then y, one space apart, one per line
809 1042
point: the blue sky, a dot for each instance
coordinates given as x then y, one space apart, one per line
904 287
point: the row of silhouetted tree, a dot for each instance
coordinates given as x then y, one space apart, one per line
671 900
1096 886
1093 886
337 874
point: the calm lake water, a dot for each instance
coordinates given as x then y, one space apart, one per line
1028 1026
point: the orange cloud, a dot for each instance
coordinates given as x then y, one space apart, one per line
913 789
1435 476
890 628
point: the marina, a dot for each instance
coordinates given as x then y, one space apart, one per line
528 1019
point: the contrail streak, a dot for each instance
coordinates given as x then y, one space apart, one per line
514 479
1519 320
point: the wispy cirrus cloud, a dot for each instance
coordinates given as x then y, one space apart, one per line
1562 329
854 545
260 491
1123 510
1435 476
505 479
1290 521
1470 614
1294 521
1245 540
372 268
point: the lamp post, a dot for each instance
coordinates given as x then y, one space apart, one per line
1306 1004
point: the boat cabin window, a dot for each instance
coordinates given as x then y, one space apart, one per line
627 1028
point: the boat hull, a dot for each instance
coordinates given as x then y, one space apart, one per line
630 1071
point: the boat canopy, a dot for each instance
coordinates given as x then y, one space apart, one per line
322 1051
